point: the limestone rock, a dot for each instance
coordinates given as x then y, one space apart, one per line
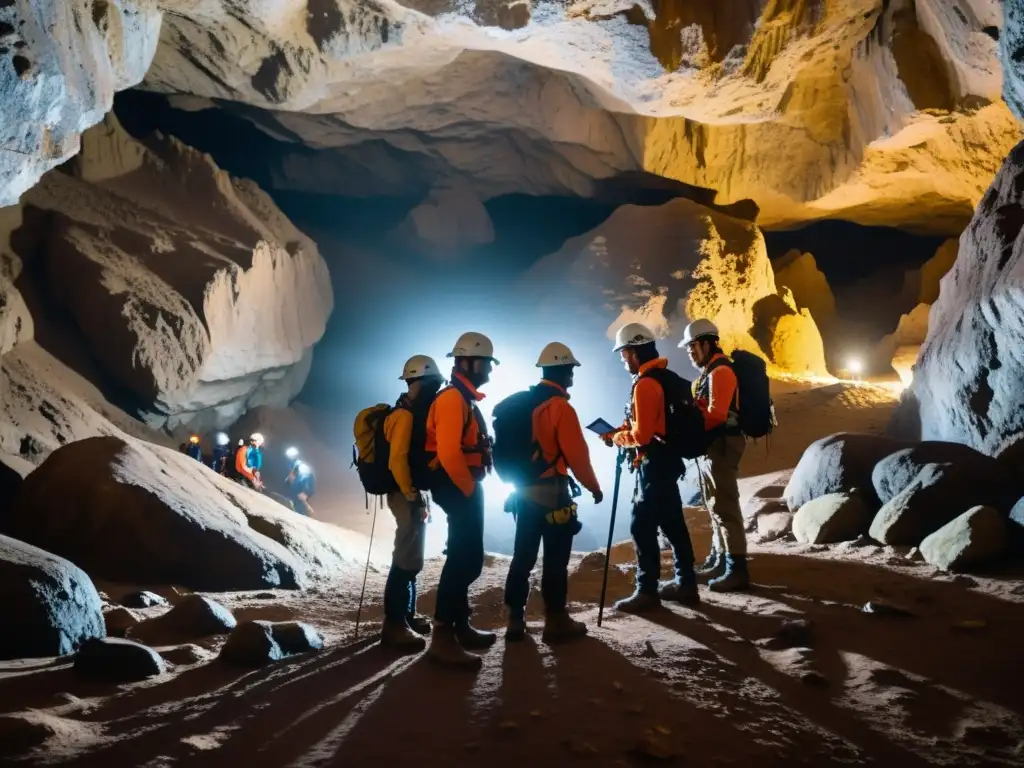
837 464
50 606
131 511
832 518
901 348
660 265
932 271
143 599
16 324
795 344
194 617
972 540
905 126
773 525
118 621
969 379
799 272
449 219
191 289
897 470
254 643
118 660
60 64
934 497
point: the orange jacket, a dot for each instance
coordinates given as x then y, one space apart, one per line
242 463
455 443
648 410
721 392
557 430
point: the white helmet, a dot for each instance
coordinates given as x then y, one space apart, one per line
257 438
632 335
554 354
699 329
473 344
418 366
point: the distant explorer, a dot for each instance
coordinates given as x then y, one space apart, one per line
301 485
656 500
716 393
194 449
537 440
249 462
405 430
460 455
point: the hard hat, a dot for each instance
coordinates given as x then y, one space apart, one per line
554 354
193 439
418 366
632 335
697 330
256 437
222 438
474 344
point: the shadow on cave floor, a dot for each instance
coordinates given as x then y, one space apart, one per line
727 680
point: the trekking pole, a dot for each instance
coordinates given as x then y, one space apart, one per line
611 528
373 526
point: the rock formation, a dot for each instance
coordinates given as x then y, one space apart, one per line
191 290
60 64
450 218
665 265
800 274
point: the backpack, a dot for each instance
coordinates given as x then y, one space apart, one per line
684 423
518 458
371 452
757 409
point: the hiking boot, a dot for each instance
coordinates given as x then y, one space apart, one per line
446 651
735 578
515 632
418 624
559 627
711 568
473 639
678 592
638 602
710 562
401 638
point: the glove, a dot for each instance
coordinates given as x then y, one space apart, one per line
598 496
606 438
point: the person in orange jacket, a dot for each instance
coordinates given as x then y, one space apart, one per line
656 500
544 509
716 393
249 462
459 447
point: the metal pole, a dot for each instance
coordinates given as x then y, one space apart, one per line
373 526
611 527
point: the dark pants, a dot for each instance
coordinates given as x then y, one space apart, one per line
657 504
465 559
531 530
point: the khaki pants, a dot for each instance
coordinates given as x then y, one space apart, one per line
719 472
410 534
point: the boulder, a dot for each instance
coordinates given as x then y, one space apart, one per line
836 464
194 617
937 495
901 348
143 599
969 379
832 518
135 512
451 218
118 660
296 637
194 294
119 620
968 542
50 606
972 469
773 525
62 63
255 643
800 274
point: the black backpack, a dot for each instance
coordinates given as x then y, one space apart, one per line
684 423
756 407
518 458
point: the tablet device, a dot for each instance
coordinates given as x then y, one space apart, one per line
601 427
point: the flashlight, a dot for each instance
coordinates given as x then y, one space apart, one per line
222 438
291 452
855 366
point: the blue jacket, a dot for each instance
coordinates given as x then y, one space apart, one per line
254 458
195 451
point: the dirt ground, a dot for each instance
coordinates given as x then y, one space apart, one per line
795 672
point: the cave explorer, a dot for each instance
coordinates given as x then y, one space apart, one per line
543 500
193 449
301 483
221 454
458 449
716 393
249 461
405 430
656 500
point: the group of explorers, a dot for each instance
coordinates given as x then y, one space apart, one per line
247 465
435 440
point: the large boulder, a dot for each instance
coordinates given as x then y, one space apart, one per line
450 218
193 292
50 606
970 541
969 377
118 660
838 463
799 272
129 511
990 481
832 518
61 64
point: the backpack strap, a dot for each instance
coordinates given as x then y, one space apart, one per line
483 443
541 395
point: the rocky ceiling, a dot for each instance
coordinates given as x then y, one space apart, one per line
877 111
